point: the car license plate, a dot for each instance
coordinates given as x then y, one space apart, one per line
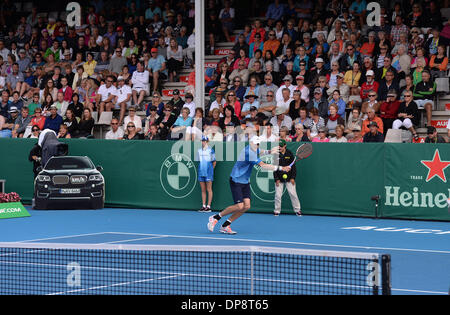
70 190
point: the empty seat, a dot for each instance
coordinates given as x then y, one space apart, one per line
393 136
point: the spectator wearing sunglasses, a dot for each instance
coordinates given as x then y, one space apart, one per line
116 131
257 44
131 133
271 44
117 62
35 131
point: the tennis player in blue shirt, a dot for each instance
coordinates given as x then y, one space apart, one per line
207 162
240 183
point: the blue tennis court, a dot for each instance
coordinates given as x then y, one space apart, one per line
420 251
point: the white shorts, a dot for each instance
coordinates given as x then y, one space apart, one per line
117 106
139 89
421 103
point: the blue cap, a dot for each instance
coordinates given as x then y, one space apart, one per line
205 138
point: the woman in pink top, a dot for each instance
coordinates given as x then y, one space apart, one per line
243 57
38 119
322 136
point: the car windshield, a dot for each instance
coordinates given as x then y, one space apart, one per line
66 163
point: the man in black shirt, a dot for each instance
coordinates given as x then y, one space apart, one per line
433 137
374 135
285 158
176 102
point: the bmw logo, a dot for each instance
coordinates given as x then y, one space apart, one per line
178 175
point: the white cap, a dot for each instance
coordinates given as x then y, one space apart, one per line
370 72
255 140
319 60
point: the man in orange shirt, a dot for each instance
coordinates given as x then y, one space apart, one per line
371 116
271 44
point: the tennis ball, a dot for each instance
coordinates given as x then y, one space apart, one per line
284 176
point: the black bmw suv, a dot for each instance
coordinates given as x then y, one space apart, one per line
69 182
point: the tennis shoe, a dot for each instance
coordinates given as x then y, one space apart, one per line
212 223
276 213
298 213
227 230
207 209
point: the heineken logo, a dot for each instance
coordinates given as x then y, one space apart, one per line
178 175
422 195
415 198
436 167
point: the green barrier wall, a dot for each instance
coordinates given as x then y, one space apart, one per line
338 179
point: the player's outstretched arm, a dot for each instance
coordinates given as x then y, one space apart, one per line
271 167
274 150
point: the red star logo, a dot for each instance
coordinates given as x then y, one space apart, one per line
436 167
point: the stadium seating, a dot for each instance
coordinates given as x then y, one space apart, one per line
441 110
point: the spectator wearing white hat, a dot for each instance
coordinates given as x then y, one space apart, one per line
317 71
369 85
304 91
287 79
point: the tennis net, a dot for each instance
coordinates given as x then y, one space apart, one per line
51 269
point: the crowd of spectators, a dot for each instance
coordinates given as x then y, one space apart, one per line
302 71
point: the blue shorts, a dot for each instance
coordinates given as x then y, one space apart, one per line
239 191
204 179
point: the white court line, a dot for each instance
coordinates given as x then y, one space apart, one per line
288 242
134 239
112 285
98 233
61 237
419 291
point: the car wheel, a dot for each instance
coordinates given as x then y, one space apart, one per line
40 204
98 203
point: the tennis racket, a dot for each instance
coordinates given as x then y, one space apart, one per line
303 151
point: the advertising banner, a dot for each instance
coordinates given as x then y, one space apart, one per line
417 181
12 210
411 180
